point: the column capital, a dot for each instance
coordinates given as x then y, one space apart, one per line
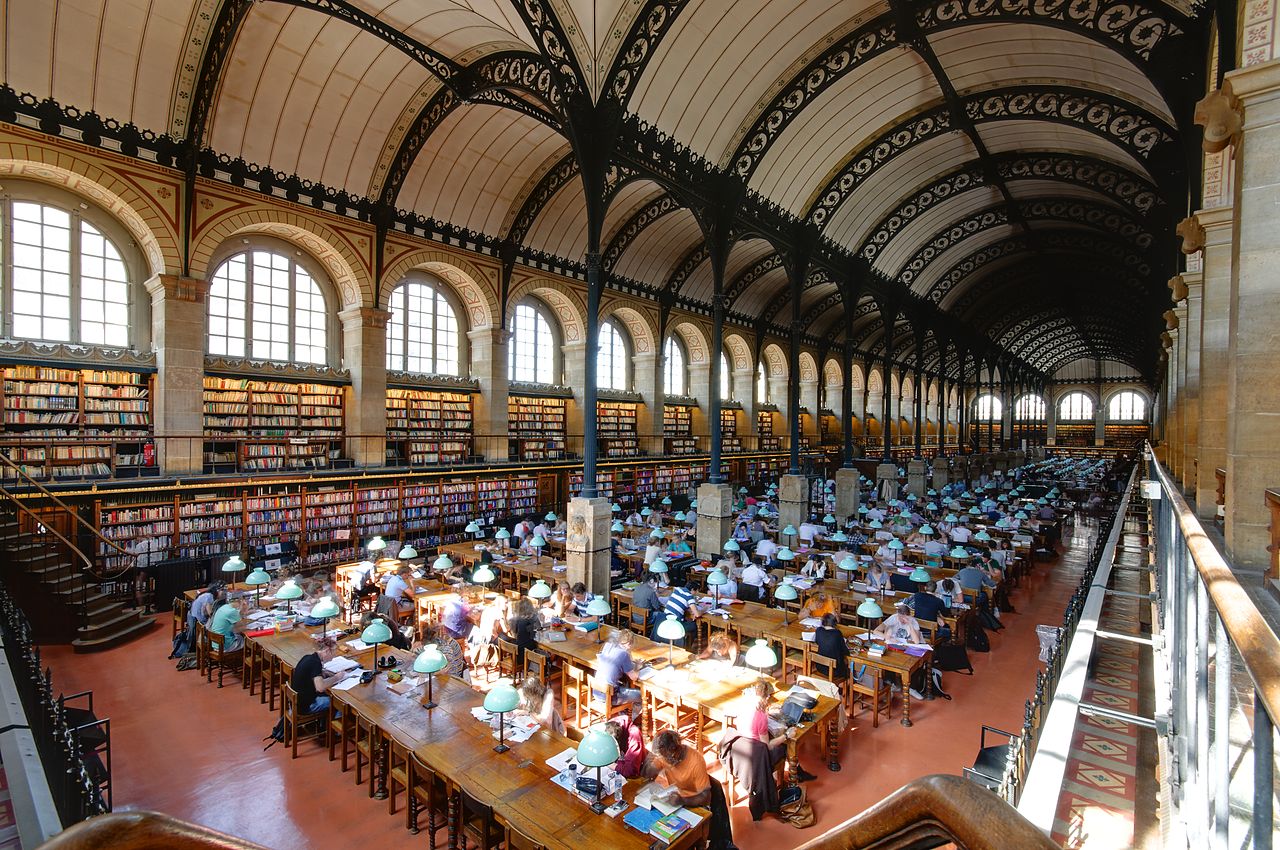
1219 113
1178 288
354 318
1254 83
172 287
492 335
1215 220
646 357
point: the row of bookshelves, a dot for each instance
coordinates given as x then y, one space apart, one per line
616 429
536 427
769 441
677 430
643 485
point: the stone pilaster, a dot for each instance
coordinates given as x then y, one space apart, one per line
941 472
647 380
809 400
847 493
587 543
364 353
778 394
575 378
917 477
715 518
1191 384
490 367
793 501
178 335
1172 435
1215 332
744 383
700 388
1253 372
887 480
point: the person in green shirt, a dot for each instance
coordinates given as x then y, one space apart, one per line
229 622
682 545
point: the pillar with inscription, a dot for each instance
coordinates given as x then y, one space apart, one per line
793 500
364 352
847 494
490 406
715 518
941 472
587 543
177 332
917 475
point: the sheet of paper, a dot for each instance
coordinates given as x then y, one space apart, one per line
688 816
822 686
808 636
357 645
346 684
564 759
811 622
339 665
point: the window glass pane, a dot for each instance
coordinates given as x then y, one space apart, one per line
611 359
532 354
310 318
423 335
1030 407
226 302
41 256
762 384
1075 407
1127 406
726 380
988 408
673 376
104 291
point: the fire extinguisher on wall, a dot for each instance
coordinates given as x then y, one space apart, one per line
149 454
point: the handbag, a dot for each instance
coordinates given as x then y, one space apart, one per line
794 807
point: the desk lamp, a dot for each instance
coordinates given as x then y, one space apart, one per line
932 506
538 543
982 536
869 610
761 656
503 535
785 554
863 510
666 501
1018 515
839 537
615 508
430 661
926 529
539 590
442 564
289 591
897 546
975 511
951 518
256 580
919 575
875 523
1003 522
598 749
715 579
742 491
599 607
658 567
483 575
408 553
375 633
828 520
680 516
326 609
784 593
645 511
958 552
732 545
657 534
671 630
693 503
473 527
233 565
375 546
501 699
617 527
790 531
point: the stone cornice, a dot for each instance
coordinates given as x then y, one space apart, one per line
619 395
543 390
451 383
170 287
69 354
272 369
679 401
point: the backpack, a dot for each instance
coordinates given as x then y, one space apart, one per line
952 657
181 645
988 620
977 638
794 807
276 735
188 662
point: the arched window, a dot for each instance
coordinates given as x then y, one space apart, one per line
611 359
674 375
1028 408
533 356
264 305
1074 407
726 379
988 408
66 282
422 335
1127 406
762 384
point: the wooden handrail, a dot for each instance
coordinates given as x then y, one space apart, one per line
1256 643
143 831
36 518
933 811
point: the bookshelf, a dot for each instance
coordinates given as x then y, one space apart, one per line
766 470
1124 436
259 426
209 527
328 520
428 427
616 429
1074 435
536 427
729 439
769 441
126 525
77 423
677 430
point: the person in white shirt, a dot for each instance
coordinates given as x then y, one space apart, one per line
652 552
398 588
810 531
961 534
875 512
520 532
635 519
542 529
815 568
766 548
934 547
754 576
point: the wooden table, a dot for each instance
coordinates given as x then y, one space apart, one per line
517 784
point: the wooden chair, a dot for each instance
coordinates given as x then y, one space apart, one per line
269 679
575 694
299 724
202 650
514 839
228 661
601 709
794 657
181 609
637 618
477 824
507 652
365 743
876 690
250 657
426 793
339 731
537 663
399 773
824 667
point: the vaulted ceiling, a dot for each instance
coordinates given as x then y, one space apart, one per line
995 177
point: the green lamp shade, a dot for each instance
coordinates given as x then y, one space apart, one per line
680 516
598 749
1042 501
849 564
839 537
289 590
893 503
761 656
785 554
896 544
932 506
716 578
959 552
911 497
483 575
617 527
1002 523
693 503
376 632
786 592
671 628
1003 498
875 523
430 660
540 590
325 608
599 607
904 515
502 698
538 541
615 508
932 492
646 510
869 609
966 495
666 500
764 513
408 552
442 564
502 534
901 471
790 529
919 574
257 577
983 536
377 544
1018 515
657 534
862 509
828 519
472 527
732 545
975 511
550 516
952 518
233 564
926 529
742 491
658 566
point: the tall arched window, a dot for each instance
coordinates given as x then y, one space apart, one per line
674 375
264 305
726 379
611 359
762 384
1074 407
988 408
422 335
533 356
1127 406
1029 408
67 280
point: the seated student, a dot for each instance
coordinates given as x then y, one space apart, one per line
876 577
810 531
539 702
819 605
681 769
950 592
645 596
815 567
635 518
561 602
754 722
398 640
754 579
681 545
520 532
682 603
522 628
400 588
202 609
884 554
480 643
857 539
653 551
581 599
617 668
928 608
830 642
973 577
309 680
486 556
229 622
457 617
900 626
758 530
720 648
455 660
631 744
542 530
961 534
874 511
766 549
933 547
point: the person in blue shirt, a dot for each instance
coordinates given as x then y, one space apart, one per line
928 608
615 667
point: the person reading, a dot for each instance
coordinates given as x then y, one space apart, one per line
682 770
309 680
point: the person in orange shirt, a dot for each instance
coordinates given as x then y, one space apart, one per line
818 605
681 769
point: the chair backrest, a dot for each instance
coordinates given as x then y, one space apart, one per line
290 697
536 664
507 652
517 840
638 617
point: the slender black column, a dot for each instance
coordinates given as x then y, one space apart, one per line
919 429
589 415
717 351
991 391
793 395
846 405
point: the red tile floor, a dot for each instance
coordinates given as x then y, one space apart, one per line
185 748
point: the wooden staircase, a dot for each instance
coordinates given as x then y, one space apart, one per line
64 604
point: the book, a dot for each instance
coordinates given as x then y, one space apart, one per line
668 828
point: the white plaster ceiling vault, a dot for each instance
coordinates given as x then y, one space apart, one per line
310 94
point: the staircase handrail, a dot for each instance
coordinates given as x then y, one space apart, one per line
143 831
36 518
75 515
